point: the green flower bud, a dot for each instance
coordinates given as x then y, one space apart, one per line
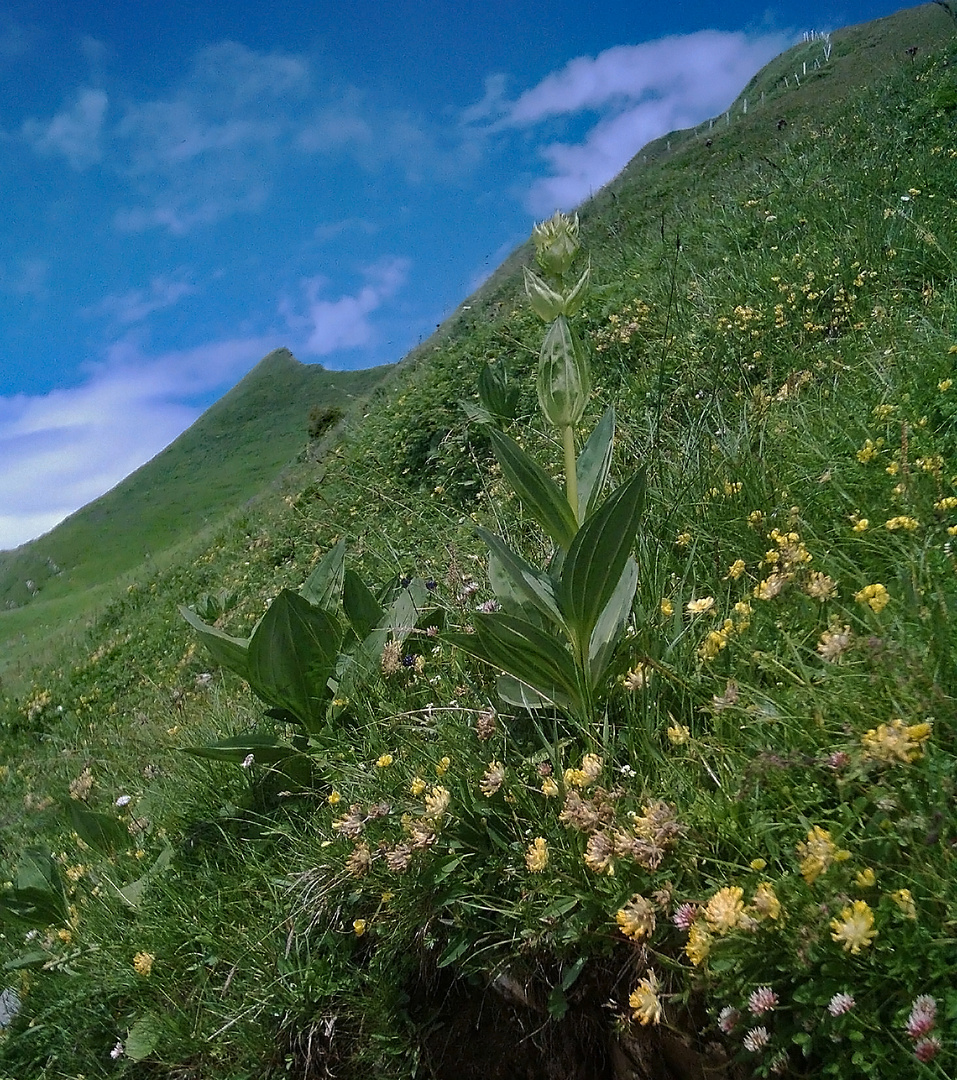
556 244
546 303
564 382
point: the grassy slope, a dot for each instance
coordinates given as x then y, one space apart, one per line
234 450
698 360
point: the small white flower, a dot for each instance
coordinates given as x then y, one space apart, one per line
117 1051
840 1004
757 1039
248 760
123 800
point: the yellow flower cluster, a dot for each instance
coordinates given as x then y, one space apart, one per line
588 773
636 919
896 742
143 964
855 927
724 912
818 854
909 524
645 1002
536 857
875 596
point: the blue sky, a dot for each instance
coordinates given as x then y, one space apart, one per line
187 187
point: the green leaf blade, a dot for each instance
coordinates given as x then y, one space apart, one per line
228 652
596 560
292 654
536 490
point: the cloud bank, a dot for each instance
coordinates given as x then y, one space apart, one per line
636 93
60 450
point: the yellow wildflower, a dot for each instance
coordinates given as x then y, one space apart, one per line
724 912
855 927
699 607
679 734
549 788
384 761
758 864
359 927
436 803
865 879
945 385
770 587
636 919
417 786
818 854
667 607
905 901
443 766
949 502
714 642
536 857
909 524
766 905
896 742
333 797
143 964
736 569
699 944
820 586
875 596
645 1002
860 525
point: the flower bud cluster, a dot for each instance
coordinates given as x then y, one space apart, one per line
564 380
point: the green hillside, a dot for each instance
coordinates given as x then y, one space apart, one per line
664 787
234 450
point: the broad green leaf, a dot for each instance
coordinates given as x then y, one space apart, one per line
536 586
524 651
265 750
594 462
511 599
595 561
323 587
292 654
229 652
133 893
37 897
143 1038
536 490
522 696
557 1003
612 622
100 831
497 393
360 605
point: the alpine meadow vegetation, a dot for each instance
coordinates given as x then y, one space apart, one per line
588 708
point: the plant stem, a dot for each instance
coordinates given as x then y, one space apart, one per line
571 468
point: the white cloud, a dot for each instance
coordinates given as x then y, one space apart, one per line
60 450
135 305
637 93
75 132
330 325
